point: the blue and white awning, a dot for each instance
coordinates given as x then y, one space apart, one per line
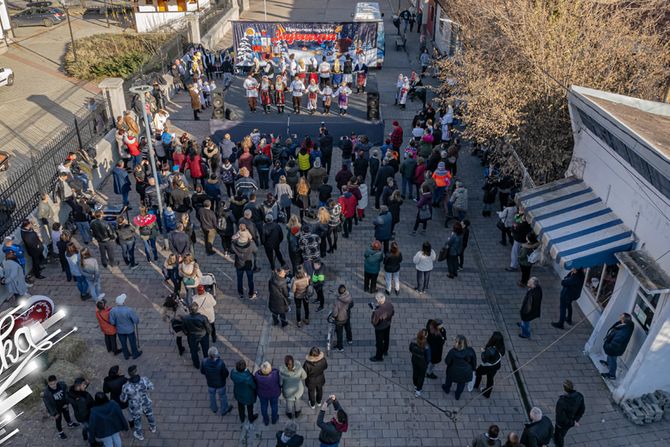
575 224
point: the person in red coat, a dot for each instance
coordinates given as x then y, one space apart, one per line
396 136
246 160
107 328
194 163
348 204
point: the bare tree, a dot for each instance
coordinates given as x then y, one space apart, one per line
519 57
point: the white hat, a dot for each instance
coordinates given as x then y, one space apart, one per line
121 299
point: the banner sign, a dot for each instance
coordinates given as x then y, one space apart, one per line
276 40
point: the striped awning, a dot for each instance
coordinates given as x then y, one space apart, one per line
575 224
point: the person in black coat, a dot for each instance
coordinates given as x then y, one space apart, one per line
569 410
326 145
197 330
464 242
278 300
56 403
34 247
491 356
419 351
571 291
531 306
113 384
461 362
81 401
288 437
315 367
361 165
385 171
437 337
616 342
272 238
539 431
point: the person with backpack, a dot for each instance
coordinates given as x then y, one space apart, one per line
424 210
491 356
81 401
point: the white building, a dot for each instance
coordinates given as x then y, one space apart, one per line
611 215
151 15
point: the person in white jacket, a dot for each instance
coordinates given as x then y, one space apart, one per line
423 261
206 304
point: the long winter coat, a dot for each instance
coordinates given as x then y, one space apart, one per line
373 260
460 364
617 338
572 286
278 300
244 388
291 381
267 386
315 368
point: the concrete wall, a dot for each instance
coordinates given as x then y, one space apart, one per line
222 27
107 156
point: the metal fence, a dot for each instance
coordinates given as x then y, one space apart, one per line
21 190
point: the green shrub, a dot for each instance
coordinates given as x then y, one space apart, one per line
111 55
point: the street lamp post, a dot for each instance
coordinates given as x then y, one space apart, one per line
69 25
141 90
265 10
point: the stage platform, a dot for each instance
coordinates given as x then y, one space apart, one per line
288 123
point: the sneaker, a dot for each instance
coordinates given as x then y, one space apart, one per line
253 296
134 266
339 349
101 296
153 429
431 376
608 376
240 296
312 406
138 436
318 403
417 393
62 435
284 324
511 269
73 424
253 418
350 342
397 292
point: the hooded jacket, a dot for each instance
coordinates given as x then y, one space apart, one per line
331 432
244 254
244 388
460 364
291 381
267 386
285 441
315 368
617 338
55 399
81 402
342 307
383 225
348 204
278 301
106 419
196 325
114 385
272 235
460 198
215 372
373 260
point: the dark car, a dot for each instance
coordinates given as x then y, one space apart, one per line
36 16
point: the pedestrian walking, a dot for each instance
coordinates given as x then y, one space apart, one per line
525 259
74 264
461 362
81 401
61 239
488 439
197 329
465 238
268 389
315 366
571 290
289 437
55 400
216 373
105 234
244 390
107 328
539 431
436 337
107 421
34 248
91 271
491 357
420 357
424 210
126 238
331 432
381 317
206 304
615 344
531 306
341 315
372 265
136 393
125 320
569 410
392 262
423 261
452 249
291 376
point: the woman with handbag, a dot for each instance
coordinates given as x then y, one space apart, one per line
300 288
191 275
491 356
526 261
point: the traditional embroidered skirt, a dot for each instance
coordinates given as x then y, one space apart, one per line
266 99
279 97
342 101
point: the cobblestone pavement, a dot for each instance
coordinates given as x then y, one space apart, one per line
378 396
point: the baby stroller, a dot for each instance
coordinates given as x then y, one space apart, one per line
208 280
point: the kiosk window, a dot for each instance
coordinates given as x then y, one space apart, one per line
645 307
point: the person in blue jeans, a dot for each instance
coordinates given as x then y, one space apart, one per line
268 389
74 262
531 306
616 342
216 373
125 320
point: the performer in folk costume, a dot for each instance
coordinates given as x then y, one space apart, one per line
402 100
269 68
327 93
361 71
302 70
266 98
347 78
342 94
251 88
280 88
312 96
297 88
337 72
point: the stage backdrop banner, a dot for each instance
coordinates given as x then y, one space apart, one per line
306 39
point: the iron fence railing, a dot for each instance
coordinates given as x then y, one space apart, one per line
21 189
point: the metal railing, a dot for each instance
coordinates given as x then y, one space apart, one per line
21 189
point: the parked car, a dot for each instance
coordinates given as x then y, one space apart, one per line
6 76
35 16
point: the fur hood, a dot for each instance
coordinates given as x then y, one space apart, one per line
310 358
